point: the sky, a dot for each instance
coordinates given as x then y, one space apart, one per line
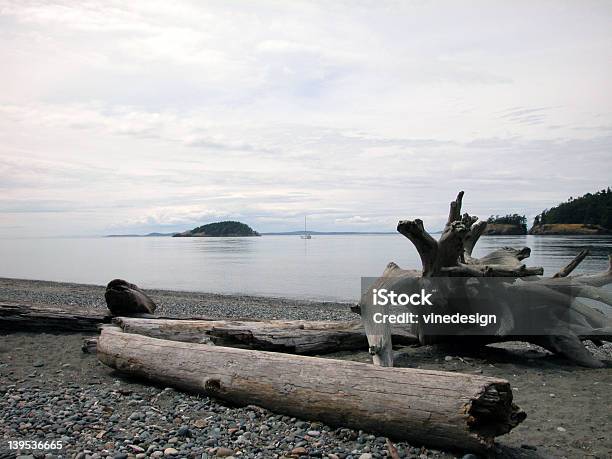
131 117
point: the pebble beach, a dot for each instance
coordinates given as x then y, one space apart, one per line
51 390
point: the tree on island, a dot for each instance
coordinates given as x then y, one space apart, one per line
220 229
510 219
590 209
515 220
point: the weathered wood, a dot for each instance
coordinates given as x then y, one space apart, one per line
379 335
596 280
46 318
504 256
563 320
295 336
441 409
472 237
425 244
567 269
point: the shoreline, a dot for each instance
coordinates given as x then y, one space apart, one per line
50 389
177 303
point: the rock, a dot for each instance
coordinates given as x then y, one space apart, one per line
469 456
120 456
183 431
299 451
38 364
568 229
448 358
314 433
170 452
561 429
365 456
125 299
224 452
504 229
157 454
200 423
136 416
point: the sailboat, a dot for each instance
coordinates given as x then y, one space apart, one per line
305 235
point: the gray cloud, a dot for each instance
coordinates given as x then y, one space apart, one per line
144 116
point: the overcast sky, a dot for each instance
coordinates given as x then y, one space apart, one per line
123 117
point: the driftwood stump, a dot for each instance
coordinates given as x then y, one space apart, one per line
520 296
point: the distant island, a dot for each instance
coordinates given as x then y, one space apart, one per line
590 214
507 225
325 233
142 235
220 229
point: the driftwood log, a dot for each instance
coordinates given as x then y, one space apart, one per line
568 319
448 410
294 336
45 318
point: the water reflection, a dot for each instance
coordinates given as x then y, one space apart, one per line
229 245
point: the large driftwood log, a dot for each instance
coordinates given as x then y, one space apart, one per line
44 318
447 410
294 336
556 299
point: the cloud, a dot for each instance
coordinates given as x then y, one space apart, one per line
150 115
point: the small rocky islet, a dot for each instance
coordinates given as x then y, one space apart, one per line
220 229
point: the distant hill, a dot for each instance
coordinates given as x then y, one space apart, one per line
220 229
588 214
142 235
511 224
325 233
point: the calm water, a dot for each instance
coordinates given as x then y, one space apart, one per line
324 267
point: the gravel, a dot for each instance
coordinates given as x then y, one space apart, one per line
71 397
98 422
50 390
175 303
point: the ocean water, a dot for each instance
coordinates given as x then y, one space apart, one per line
321 268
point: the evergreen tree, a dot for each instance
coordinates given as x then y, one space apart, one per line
591 209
